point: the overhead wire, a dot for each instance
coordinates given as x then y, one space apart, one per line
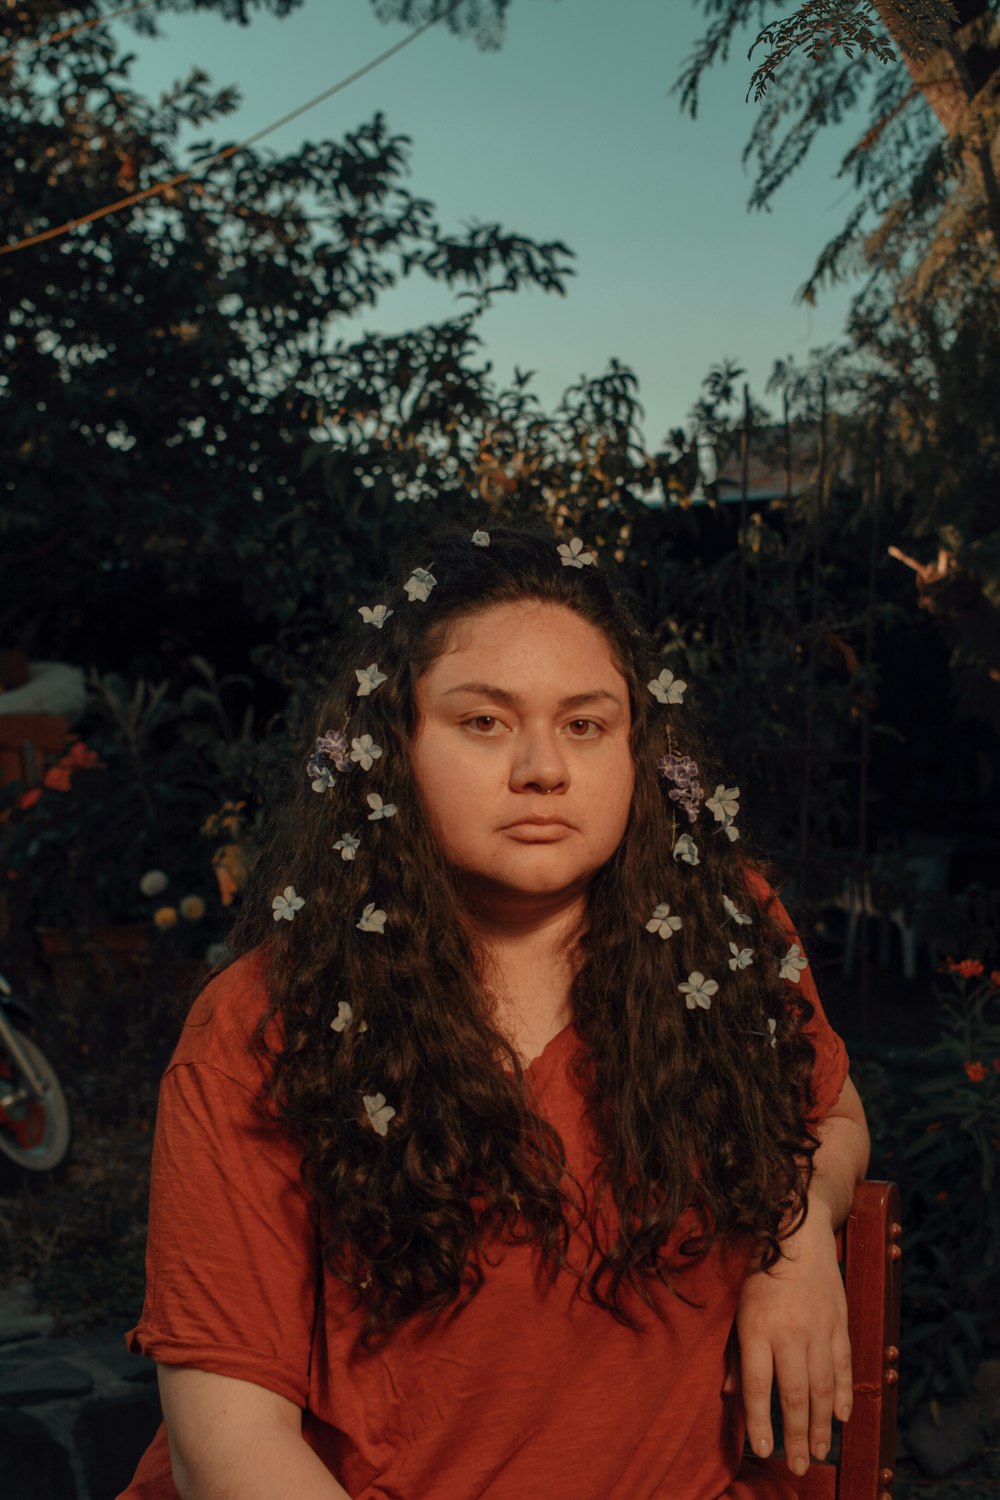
171 182
31 43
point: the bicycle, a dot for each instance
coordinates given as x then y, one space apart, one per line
35 1125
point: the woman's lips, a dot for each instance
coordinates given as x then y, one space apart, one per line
539 829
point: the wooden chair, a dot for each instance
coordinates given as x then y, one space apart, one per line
871 1252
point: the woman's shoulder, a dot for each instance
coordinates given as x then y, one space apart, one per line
763 892
222 1027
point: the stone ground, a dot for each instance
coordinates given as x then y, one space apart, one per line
76 1413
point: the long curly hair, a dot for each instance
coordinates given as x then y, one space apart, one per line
701 1115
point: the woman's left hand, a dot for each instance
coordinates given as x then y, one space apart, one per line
791 1323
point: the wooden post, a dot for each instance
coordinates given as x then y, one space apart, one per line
744 507
814 633
866 731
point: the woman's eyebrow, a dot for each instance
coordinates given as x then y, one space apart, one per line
514 700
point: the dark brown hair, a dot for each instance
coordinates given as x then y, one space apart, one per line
702 1123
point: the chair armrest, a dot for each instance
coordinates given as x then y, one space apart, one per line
872 1254
869 1247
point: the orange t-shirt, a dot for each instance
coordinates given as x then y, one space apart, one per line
530 1393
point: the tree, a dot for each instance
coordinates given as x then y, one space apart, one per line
179 421
926 219
925 228
925 170
165 369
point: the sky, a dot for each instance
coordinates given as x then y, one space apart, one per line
569 131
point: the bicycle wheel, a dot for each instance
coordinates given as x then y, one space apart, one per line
34 1133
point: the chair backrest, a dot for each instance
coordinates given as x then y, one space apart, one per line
871 1252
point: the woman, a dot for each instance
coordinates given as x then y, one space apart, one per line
519 1101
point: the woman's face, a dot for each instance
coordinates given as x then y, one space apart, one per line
522 751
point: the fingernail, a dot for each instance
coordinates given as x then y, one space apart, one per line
844 1413
763 1447
799 1466
822 1449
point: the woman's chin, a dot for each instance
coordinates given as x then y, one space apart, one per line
540 885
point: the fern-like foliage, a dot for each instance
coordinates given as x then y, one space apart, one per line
924 179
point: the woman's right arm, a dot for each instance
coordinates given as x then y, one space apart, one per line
231 1440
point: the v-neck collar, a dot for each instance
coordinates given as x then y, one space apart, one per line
553 1047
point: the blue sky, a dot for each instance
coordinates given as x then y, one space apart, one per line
568 132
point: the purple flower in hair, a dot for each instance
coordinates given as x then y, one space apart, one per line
687 789
688 798
680 769
330 754
333 746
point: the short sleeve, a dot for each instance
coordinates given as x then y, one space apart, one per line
832 1063
831 1066
232 1263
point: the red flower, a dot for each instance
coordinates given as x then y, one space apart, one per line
969 968
995 977
58 779
975 1071
29 798
79 758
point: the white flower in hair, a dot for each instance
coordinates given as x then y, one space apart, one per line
480 539
573 556
348 845
365 752
662 922
731 831
379 1113
667 688
792 964
725 804
698 990
687 850
772 1027
287 904
742 957
371 920
732 911
379 808
419 584
369 679
153 882
344 1018
376 616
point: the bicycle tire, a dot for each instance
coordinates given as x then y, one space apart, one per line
36 1136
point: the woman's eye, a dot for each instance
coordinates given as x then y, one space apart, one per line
583 729
482 723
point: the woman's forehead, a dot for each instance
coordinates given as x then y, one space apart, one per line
531 641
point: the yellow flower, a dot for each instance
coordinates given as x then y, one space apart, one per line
165 917
192 908
227 819
230 871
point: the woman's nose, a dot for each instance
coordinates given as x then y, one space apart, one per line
539 765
